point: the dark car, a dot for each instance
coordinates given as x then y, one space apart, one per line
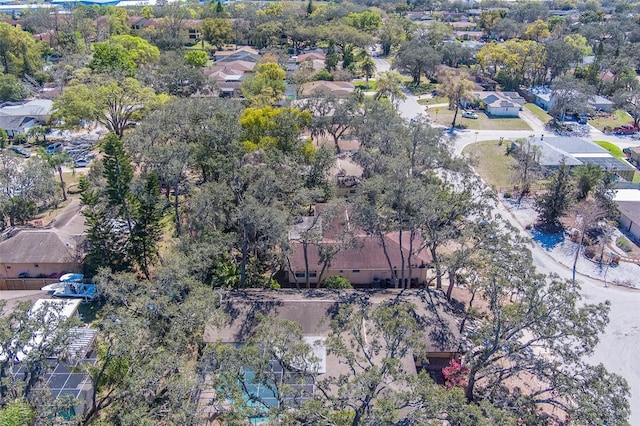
625 129
20 151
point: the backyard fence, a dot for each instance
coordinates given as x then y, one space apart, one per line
25 283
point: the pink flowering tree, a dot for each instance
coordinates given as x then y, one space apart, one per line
455 375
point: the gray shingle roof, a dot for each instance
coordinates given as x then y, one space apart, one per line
34 247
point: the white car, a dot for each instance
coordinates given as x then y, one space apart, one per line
470 114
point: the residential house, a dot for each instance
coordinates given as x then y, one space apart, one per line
347 174
336 88
63 377
244 53
189 28
575 151
38 254
48 37
449 16
44 251
228 76
314 311
313 56
544 99
469 35
628 201
600 103
136 23
501 104
634 154
363 260
465 30
16 118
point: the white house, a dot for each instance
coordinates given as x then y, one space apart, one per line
18 118
501 104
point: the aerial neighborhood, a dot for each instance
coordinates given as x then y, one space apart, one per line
319 212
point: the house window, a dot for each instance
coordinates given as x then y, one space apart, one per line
313 275
300 275
356 270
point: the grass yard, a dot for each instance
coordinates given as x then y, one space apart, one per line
444 117
612 148
618 118
434 101
361 84
538 112
424 87
491 163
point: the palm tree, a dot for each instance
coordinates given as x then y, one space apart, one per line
368 68
56 160
389 85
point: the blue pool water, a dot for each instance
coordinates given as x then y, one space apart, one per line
547 241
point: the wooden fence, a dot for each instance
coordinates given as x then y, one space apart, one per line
25 283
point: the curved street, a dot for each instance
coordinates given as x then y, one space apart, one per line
619 344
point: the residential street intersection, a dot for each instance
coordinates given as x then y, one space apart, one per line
618 347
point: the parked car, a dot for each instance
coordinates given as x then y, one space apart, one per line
54 147
82 162
625 129
20 151
470 114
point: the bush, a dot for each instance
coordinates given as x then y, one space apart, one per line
507 195
337 283
324 75
19 139
624 244
421 89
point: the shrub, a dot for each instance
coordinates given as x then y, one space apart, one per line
337 283
507 195
323 74
455 375
624 244
19 139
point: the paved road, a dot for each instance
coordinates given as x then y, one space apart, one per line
620 343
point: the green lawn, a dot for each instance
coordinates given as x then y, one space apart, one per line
538 112
444 117
363 85
612 148
433 101
618 118
424 87
492 164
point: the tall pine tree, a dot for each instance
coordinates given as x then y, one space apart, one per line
553 204
118 172
146 229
